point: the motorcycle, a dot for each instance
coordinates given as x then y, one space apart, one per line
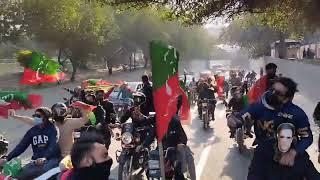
206 104
131 163
240 135
12 169
172 165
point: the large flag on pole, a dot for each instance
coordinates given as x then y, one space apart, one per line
166 89
17 100
38 69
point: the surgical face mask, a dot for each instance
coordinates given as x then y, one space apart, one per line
285 138
38 120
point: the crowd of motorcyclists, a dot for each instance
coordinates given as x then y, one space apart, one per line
55 140
282 129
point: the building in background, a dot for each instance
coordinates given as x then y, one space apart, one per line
292 49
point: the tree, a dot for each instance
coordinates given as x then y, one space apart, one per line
200 11
247 33
12 24
77 27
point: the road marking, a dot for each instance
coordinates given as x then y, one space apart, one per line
203 159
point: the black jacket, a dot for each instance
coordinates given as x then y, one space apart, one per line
175 134
148 105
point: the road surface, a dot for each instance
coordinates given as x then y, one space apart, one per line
216 155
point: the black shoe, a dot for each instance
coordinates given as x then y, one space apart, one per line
249 134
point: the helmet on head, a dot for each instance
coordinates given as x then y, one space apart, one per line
138 98
59 110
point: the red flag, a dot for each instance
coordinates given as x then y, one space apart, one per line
18 100
220 85
166 88
83 105
31 77
257 90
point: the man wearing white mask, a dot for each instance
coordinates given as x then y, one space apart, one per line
274 108
302 168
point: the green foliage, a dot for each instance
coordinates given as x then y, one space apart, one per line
248 33
12 22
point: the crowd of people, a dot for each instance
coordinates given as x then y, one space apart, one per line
53 141
281 128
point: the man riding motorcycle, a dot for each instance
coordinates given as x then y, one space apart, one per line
176 137
274 108
235 105
207 93
65 125
44 138
140 120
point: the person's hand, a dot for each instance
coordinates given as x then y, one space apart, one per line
287 158
40 161
11 112
2 162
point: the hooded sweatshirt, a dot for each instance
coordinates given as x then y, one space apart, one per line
43 141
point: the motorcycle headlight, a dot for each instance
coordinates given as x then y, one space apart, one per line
126 138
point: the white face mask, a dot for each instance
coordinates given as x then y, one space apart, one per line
285 138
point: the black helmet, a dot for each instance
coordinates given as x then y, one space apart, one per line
138 98
45 111
59 110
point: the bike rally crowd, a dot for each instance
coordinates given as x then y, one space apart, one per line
66 136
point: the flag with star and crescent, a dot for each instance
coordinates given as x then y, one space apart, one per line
166 88
39 68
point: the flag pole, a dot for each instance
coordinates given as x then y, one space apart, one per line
162 170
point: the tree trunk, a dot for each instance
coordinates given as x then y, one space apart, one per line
74 69
59 56
282 47
110 70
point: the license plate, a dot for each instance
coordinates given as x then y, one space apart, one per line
204 104
76 134
153 164
204 112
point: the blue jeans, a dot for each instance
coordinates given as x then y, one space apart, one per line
31 170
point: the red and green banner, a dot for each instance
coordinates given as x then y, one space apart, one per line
39 68
220 85
98 84
166 88
257 90
17 100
